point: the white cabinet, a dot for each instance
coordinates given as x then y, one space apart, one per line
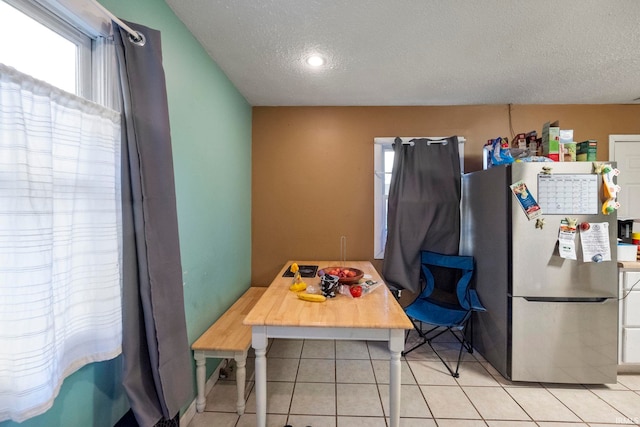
631 345
631 311
629 348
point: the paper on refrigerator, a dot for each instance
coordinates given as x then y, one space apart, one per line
567 239
594 237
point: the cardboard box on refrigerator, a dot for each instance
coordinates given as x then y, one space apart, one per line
551 140
568 151
567 146
519 141
566 135
586 150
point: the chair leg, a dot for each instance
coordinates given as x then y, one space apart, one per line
456 375
446 365
470 333
467 343
416 328
422 335
427 339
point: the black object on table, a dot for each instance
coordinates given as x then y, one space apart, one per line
305 271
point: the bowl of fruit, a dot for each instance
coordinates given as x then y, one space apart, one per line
346 275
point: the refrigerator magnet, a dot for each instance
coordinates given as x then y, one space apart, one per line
528 204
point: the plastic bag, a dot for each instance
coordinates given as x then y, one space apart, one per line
500 152
359 289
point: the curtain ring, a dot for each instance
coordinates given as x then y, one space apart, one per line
140 40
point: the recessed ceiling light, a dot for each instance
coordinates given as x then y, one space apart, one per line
315 60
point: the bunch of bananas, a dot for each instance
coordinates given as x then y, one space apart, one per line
298 285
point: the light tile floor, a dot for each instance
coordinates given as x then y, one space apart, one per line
345 384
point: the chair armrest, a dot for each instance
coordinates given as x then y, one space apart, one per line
476 305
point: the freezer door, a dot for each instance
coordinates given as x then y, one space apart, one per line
565 342
538 268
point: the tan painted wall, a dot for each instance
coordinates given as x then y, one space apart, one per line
312 167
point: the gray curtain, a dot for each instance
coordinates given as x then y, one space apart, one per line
423 208
156 355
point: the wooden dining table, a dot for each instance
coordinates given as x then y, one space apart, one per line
376 316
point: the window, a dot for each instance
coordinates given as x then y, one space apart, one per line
69 49
48 49
383 158
60 221
383 164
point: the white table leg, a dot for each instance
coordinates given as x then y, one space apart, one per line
396 345
201 368
241 376
259 343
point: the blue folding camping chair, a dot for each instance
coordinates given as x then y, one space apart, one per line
446 302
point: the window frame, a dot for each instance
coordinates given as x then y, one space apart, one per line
381 145
83 25
84 42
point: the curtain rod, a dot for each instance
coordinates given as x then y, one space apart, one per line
410 140
135 36
413 141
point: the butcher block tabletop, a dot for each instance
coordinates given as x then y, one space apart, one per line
281 307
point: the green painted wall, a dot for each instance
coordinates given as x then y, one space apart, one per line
211 137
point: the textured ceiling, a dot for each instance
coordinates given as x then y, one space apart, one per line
423 52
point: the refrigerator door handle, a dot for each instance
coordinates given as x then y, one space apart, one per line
597 300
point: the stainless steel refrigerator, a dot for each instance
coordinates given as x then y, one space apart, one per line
549 318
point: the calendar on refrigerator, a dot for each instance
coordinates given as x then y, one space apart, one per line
568 194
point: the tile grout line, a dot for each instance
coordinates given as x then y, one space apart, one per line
403 360
556 398
295 382
610 405
384 415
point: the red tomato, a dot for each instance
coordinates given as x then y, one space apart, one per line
356 291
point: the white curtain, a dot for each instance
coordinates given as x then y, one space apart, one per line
60 304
